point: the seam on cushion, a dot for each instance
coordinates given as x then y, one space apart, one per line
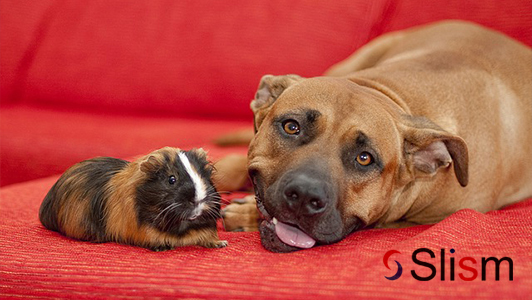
374 14
31 52
386 15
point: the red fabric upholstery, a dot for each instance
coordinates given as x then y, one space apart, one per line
161 56
116 78
505 17
37 142
191 59
37 262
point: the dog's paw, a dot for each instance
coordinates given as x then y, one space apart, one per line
241 215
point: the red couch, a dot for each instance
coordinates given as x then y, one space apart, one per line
116 78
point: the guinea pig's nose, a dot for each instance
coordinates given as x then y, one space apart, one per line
195 214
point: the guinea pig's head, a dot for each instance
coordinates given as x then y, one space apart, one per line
176 193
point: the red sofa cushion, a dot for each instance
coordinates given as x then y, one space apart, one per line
189 58
510 17
198 58
192 59
70 71
37 142
40 263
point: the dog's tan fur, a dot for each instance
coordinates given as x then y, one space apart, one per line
451 86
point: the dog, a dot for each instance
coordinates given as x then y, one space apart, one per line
411 128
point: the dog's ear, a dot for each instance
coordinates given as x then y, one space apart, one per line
428 148
270 88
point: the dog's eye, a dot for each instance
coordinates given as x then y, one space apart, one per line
291 127
364 159
172 179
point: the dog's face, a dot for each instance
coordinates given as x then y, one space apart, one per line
329 156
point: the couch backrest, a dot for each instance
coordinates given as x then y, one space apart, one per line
200 57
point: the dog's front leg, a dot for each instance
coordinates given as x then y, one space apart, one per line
241 215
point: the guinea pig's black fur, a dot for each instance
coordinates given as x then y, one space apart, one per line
160 201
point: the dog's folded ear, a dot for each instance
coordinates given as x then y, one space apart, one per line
428 148
270 88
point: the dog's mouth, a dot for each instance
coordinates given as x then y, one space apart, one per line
284 231
292 235
277 236
284 236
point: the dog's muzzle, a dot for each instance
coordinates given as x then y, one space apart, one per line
299 210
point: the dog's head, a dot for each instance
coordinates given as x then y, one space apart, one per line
330 157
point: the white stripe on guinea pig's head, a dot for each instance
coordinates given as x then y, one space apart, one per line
199 185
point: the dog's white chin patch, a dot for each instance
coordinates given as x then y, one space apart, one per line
292 236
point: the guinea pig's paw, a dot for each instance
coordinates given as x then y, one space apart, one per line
159 248
217 244
241 215
221 244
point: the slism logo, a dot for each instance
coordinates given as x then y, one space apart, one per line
399 267
466 266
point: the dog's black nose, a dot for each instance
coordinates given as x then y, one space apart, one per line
305 194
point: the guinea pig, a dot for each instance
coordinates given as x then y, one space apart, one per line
160 201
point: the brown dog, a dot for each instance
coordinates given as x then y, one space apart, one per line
411 128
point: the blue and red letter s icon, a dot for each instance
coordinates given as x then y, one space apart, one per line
399 267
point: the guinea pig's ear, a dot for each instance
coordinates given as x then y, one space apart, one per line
149 165
428 148
201 152
270 88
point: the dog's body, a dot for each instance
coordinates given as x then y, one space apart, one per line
411 128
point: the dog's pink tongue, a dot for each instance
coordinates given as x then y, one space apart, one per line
292 236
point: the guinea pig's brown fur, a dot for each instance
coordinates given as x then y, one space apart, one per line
139 203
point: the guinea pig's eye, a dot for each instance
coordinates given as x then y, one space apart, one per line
291 127
364 159
171 179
